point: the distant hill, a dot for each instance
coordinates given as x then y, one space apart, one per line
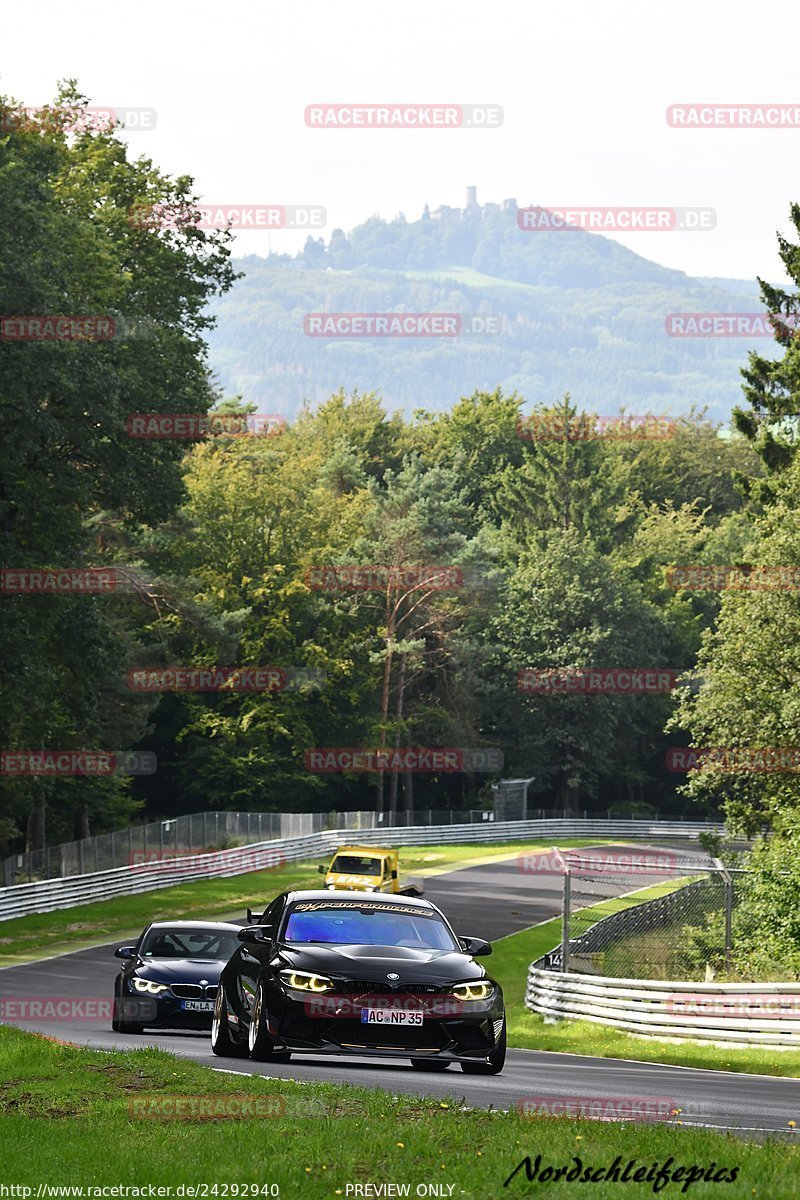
581 314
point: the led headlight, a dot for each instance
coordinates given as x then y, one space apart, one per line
150 985
304 981
472 991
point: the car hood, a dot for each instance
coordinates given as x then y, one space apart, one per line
179 970
373 963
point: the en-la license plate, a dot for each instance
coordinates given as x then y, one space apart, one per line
390 1016
198 1005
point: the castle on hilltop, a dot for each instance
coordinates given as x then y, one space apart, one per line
472 207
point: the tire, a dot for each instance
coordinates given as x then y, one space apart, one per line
430 1064
260 1045
222 1042
496 1057
118 1025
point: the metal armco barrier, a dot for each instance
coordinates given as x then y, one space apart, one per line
766 1014
50 895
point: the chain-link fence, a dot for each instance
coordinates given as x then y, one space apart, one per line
652 913
195 833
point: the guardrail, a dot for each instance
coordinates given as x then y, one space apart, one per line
766 1014
49 895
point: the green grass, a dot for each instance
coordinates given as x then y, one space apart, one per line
509 964
89 924
69 1118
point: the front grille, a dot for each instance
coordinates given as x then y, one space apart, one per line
399 1037
193 991
355 987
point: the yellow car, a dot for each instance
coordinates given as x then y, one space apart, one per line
366 869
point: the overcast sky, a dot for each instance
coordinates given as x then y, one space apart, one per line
584 88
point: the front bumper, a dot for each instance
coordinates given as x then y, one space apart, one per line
166 1010
309 1025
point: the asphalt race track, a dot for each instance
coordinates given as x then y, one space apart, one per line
484 901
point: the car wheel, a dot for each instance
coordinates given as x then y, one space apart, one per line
496 1059
118 1023
222 1042
430 1064
259 1042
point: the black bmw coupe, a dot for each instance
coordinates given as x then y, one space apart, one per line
171 975
364 974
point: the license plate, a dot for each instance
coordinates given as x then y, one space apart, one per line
198 1005
390 1016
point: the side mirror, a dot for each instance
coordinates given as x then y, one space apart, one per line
394 874
253 918
475 946
255 935
321 869
125 952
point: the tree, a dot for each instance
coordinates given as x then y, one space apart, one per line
772 386
71 472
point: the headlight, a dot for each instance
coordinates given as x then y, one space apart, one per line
331 887
472 991
149 985
304 981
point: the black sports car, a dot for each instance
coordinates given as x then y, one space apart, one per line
359 973
171 975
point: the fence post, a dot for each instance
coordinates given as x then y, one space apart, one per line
565 923
562 862
727 880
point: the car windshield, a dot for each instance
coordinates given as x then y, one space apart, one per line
368 926
212 945
353 864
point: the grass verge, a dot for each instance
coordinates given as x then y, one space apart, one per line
75 1117
509 964
89 924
